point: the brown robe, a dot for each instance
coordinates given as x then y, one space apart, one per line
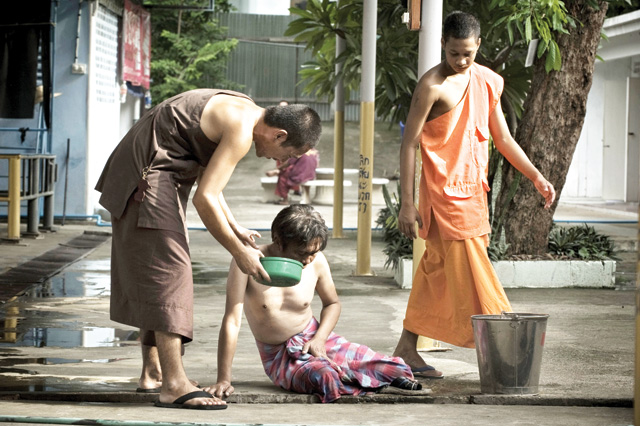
151 277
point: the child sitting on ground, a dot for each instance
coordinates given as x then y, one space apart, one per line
298 352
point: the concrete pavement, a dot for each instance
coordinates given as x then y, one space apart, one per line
71 362
62 360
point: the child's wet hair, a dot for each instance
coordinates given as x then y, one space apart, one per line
299 224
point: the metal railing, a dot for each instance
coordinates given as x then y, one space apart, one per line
30 176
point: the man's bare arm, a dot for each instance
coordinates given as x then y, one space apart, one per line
331 308
422 101
229 330
247 236
234 144
508 147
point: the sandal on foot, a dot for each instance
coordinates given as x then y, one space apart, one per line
406 384
152 390
419 372
406 387
180 402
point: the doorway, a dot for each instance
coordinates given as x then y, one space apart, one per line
633 141
621 153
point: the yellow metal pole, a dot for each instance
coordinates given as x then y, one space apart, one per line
10 323
429 55
363 261
338 170
418 243
338 145
14 198
424 343
367 117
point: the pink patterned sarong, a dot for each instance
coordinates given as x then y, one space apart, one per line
351 369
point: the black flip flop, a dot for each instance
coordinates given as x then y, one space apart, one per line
406 384
180 402
406 387
152 390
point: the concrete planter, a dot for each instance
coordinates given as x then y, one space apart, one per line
556 273
403 275
537 273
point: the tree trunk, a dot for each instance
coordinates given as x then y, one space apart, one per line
549 130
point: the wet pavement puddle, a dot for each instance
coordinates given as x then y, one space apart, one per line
65 312
12 378
207 275
7 361
53 384
24 322
64 337
74 283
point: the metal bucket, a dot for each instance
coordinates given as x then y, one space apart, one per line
509 350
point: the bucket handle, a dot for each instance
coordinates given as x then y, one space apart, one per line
513 317
510 315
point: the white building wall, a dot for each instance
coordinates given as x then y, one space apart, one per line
585 176
103 131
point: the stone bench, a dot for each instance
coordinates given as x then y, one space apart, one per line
323 190
269 189
327 173
377 196
323 193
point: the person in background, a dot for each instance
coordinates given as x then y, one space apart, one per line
294 172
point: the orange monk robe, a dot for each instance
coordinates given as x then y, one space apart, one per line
455 278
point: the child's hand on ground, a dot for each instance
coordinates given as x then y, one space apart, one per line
221 389
547 190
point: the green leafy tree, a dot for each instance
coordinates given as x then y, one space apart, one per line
550 127
396 245
555 88
396 56
189 50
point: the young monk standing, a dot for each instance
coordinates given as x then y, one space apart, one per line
454 110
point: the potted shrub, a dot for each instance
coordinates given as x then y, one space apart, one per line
398 248
577 256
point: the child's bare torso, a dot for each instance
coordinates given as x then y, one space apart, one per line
275 314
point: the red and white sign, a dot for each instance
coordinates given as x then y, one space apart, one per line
136 67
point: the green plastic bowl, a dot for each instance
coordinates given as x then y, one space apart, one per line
284 272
